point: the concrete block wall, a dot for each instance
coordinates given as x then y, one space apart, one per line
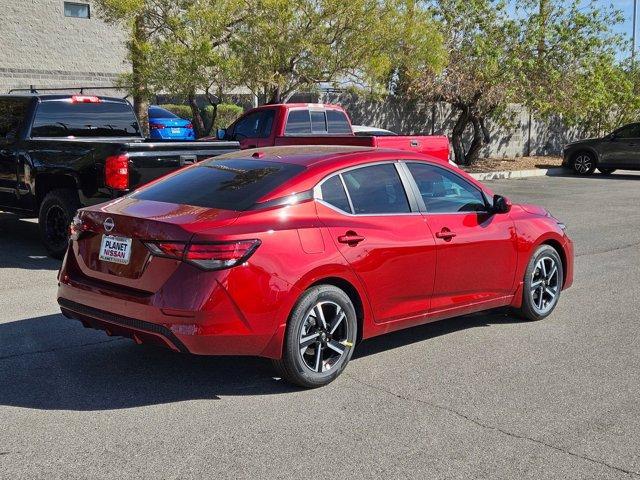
40 46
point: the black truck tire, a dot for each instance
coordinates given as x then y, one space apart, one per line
56 213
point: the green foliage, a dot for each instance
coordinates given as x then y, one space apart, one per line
288 45
226 114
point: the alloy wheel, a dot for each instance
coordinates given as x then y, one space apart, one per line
324 337
583 164
545 285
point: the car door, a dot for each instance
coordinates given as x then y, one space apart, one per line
378 229
12 112
476 250
622 149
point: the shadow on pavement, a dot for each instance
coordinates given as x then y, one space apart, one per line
52 363
20 245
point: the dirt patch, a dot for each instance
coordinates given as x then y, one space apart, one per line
511 164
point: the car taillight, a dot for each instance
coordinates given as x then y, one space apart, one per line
156 126
85 99
116 172
77 227
208 256
189 126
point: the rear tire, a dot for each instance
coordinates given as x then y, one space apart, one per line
584 163
606 171
542 284
56 213
321 333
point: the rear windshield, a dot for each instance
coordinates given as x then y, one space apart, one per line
62 118
157 112
232 184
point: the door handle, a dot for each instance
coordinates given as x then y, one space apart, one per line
445 234
351 238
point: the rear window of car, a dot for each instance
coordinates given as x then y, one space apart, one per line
64 118
158 112
298 122
229 184
337 122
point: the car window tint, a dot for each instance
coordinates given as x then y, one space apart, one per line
376 189
333 193
255 125
444 191
12 112
157 112
630 131
230 184
318 122
337 122
64 118
298 122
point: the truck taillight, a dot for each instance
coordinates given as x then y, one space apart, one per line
116 172
208 256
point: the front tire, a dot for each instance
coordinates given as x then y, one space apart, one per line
584 163
56 213
321 333
542 284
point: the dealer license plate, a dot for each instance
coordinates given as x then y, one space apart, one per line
115 249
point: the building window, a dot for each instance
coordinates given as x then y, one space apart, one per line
76 10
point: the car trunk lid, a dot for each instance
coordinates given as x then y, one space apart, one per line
136 222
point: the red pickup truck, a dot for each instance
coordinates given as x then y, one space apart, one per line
318 124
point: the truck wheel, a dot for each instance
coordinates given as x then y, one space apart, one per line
56 213
321 333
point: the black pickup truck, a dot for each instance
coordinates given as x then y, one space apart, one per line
61 152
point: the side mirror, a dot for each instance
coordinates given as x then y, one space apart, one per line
221 133
501 204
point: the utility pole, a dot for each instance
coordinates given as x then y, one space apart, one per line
633 36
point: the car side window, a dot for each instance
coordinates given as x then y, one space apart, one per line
630 131
445 192
376 189
298 122
12 113
333 193
255 125
337 122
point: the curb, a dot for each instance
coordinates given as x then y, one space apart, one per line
506 174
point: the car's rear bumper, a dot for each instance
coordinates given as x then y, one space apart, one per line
214 326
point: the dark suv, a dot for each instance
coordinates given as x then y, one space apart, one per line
618 150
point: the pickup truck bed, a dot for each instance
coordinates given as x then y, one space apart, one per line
436 146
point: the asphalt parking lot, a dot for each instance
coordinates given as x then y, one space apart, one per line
483 396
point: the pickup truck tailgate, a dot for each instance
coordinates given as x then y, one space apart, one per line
148 161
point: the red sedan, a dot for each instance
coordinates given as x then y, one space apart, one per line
297 254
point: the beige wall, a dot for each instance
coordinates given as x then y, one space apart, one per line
39 45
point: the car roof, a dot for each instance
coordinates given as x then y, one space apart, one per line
320 161
305 155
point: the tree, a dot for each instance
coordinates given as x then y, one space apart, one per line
190 53
287 45
480 77
569 67
138 18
